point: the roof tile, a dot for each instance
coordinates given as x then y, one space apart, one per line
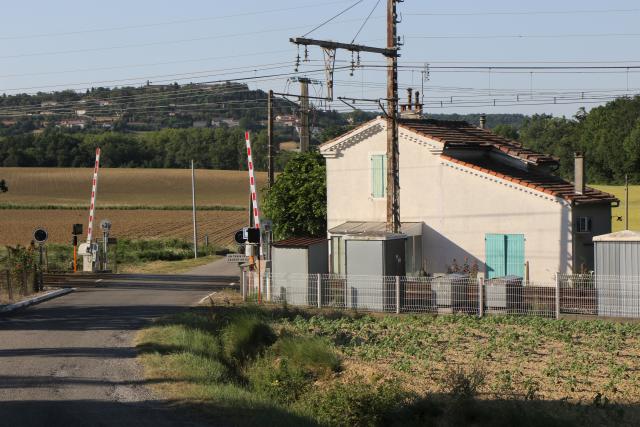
545 183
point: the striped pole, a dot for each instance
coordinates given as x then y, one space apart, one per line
252 182
254 202
94 189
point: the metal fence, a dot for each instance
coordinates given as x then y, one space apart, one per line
605 296
17 284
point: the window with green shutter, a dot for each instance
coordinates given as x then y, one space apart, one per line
378 175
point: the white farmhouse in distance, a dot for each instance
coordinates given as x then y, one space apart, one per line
465 194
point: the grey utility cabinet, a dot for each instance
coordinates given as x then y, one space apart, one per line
373 260
295 264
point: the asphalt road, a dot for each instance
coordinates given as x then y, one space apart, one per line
71 361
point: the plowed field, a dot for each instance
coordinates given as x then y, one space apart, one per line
17 225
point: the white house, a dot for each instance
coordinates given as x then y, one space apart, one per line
467 195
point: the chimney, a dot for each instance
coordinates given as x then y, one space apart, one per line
579 180
483 121
406 110
418 104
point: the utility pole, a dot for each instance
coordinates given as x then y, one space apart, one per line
626 202
304 115
393 172
270 150
391 53
193 205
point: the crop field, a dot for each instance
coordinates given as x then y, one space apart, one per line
331 368
634 206
126 187
17 225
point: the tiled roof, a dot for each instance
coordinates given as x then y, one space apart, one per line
545 183
299 242
458 134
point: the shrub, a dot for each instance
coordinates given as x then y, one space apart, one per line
461 384
278 379
312 354
358 403
246 337
290 367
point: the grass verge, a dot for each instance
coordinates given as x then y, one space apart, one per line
249 365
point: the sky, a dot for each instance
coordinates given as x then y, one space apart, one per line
72 44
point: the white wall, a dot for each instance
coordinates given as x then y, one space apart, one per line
458 206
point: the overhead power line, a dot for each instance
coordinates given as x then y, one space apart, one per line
163 43
524 12
165 23
520 36
333 17
117 67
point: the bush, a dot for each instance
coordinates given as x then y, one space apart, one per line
291 366
246 337
358 403
279 379
461 384
312 354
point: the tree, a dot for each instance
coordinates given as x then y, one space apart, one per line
506 131
3 186
297 202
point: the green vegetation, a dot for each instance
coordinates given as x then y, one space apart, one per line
297 202
133 255
620 211
609 136
243 365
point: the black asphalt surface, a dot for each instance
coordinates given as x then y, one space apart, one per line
71 361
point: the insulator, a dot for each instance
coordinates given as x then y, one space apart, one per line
306 54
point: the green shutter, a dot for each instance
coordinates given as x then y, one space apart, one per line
504 255
515 255
495 254
378 175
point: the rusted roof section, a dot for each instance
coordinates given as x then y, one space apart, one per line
459 134
546 183
299 242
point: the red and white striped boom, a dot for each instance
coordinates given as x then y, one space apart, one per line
252 182
94 190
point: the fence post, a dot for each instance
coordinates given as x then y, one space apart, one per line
557 296
397 294
244 285
9 288
480 297
319 276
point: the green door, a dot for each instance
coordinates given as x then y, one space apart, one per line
504 255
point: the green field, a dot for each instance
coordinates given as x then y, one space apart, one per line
634 206
248 365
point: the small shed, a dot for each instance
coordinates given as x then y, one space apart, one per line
294 264
373 260
617 273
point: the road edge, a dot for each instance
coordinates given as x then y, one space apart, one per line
37 300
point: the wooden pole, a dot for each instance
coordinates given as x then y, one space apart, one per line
393 185
270 150
193 207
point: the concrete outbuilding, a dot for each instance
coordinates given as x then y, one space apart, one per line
295 262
